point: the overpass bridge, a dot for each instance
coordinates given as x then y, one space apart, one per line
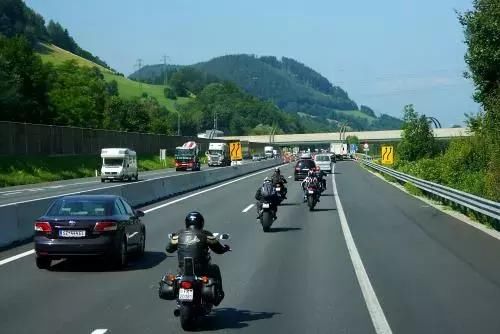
330 137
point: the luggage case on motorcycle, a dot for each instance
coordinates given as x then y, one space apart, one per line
167 289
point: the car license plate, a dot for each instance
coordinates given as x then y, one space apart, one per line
311 191
186 294
265 205
72 233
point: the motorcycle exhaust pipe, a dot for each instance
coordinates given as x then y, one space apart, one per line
177 312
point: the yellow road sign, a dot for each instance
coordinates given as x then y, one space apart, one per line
236 152
387 155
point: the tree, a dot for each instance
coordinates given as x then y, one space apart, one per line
112 88
169 93
23 83
352 140
417 139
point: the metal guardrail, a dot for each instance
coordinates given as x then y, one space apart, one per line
473 202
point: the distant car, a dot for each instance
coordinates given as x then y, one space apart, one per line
324 161
306 156
302 167
257 157
89 225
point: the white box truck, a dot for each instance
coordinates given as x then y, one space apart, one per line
339 149
268 152
218 154
119 164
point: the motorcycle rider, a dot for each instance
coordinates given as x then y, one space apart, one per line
321 178
266 193
311 179
194 241
279 180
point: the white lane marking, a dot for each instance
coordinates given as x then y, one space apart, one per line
18 256
12 193
248 208
15 257
206 190
290 177
48 187
99 331
376 313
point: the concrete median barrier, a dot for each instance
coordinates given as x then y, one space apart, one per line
17 218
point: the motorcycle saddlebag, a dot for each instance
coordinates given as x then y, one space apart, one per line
167 289
208 290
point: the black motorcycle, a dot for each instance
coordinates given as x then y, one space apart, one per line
312 193
279 188
267 216
195 295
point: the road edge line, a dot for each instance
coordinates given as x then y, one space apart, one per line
374 309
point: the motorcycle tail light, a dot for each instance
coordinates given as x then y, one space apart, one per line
204 279
186 285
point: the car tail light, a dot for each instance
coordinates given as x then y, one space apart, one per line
186 285
105 226
43 227
176 164
297 168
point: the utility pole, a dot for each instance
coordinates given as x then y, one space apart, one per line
139 66
164 59
215 119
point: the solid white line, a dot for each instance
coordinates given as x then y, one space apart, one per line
15 257
376 313
99 331
18 256
132 235
248 208
12 193
206 190
290 177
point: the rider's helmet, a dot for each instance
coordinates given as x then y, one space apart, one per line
277 170
267 179
194 219
311 173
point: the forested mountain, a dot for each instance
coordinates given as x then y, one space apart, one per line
18 19
289 84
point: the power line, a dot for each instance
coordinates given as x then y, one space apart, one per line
164 59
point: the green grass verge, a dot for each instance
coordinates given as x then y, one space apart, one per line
28 170
412 189
126 87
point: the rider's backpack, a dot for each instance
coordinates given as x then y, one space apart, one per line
267 190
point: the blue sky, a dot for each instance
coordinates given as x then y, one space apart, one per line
385 53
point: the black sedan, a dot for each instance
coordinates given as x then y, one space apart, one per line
302 167
89 225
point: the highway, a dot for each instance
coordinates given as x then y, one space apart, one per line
16 194
370 259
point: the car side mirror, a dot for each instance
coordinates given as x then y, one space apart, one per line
139 213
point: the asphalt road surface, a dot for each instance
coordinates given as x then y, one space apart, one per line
424 271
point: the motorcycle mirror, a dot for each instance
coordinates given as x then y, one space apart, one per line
170 235
224 236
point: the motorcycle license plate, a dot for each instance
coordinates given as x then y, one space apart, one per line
265 205
311 191
278 189
186 294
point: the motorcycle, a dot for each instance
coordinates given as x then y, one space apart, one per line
279 191
267 216
194 294
312 194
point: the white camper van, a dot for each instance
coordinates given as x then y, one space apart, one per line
118 164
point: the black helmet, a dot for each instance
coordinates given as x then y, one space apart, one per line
195 219
277 170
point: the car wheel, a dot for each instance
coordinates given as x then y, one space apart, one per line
121 256
43 262
102 180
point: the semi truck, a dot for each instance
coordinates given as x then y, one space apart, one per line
218 154
119 164
186 157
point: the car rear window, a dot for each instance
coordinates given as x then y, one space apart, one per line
322 158
306 164
79 207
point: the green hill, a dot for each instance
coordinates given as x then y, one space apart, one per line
289 84
126 87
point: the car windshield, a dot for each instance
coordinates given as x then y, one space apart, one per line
78 207
183 152
322 158
112 162
215 152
